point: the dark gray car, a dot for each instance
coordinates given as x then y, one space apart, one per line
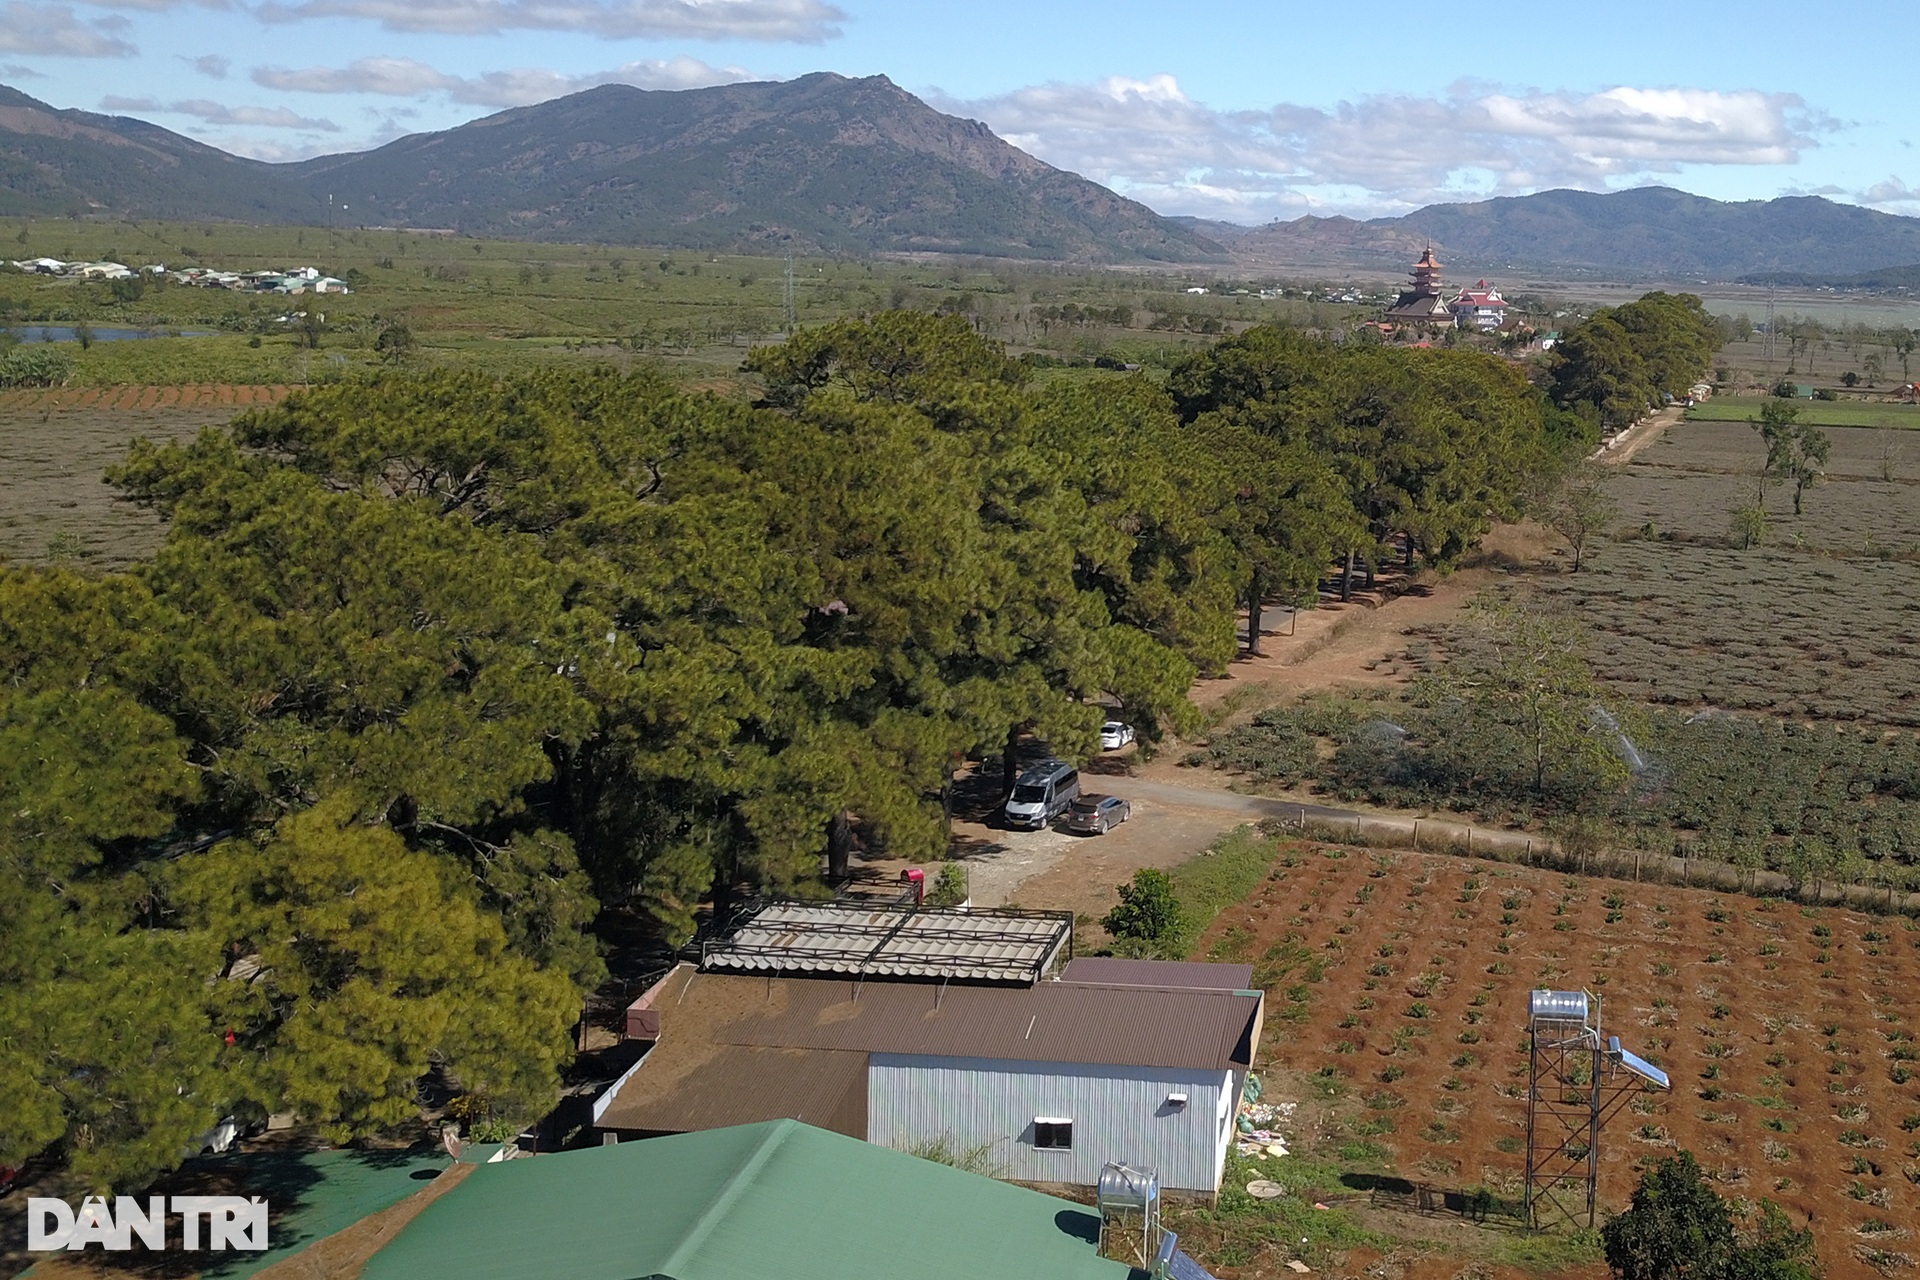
1094 814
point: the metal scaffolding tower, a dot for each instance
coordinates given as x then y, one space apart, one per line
1577 1080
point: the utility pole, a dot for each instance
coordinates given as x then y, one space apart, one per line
1769 329
787 296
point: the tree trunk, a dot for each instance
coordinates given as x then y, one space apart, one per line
1369 573
1253 616
1346 579
1409 553
1010 761
839 845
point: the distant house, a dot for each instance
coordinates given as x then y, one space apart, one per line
1480 308
1195 289
1115 1061
41 266
776 1199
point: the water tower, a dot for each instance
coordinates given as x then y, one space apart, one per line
1577 1080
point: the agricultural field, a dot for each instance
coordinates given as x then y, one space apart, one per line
1821 621
1398 991
54 447
1824 413
501 302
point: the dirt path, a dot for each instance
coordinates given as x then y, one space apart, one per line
1179 811
1620 450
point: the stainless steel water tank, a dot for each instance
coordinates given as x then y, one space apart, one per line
1557 1006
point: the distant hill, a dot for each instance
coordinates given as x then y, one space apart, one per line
1903 278
818 163
1644 232
56 163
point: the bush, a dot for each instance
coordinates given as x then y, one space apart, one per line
1148 914
39 365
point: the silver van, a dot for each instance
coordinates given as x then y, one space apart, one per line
1042 794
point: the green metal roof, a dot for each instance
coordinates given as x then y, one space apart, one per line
774 1199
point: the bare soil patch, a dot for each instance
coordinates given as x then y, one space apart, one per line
54 447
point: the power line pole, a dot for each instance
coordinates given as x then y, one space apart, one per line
787 296
1770 292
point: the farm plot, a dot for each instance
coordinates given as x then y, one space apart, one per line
1768 629
1688 483
52 500
1825 413
1822 622
1398 987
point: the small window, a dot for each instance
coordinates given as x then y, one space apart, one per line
1050 1134
1073 777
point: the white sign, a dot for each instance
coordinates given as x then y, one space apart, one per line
227 1222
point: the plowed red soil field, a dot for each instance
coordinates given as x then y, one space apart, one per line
1791 1033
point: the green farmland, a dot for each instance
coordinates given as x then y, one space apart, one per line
1821 413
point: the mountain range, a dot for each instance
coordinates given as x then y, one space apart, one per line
1652 232
828 164
821 164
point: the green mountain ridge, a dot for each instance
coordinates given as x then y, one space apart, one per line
821 163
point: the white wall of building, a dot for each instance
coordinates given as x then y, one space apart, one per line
1118 1113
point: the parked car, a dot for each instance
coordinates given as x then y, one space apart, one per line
1114 735
1042 794
1094 814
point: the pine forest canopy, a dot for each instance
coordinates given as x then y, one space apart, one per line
431 670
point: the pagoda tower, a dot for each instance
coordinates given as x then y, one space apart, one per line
1422 302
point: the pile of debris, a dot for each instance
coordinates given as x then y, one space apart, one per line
1259 1124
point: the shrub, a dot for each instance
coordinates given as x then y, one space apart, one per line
1148 914
38 365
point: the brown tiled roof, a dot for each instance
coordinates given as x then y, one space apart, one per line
737 1085
1115 972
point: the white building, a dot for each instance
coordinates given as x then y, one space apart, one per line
1114 1060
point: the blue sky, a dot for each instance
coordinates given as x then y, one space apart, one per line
1237 110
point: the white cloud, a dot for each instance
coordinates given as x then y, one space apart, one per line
211 64
405 78
786 21
1385 153
52 29
220 114
272 150
1893 196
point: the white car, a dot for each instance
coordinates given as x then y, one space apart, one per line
1114 735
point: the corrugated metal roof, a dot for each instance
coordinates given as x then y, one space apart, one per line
1051 1022
745 1085
777 1199
1115 972
978 946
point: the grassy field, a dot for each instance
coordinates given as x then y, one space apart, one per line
1398 985
1822 413
513 302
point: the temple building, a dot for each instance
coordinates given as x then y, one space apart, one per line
1480 308
1423 303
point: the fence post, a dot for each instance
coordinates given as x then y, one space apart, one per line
1416 845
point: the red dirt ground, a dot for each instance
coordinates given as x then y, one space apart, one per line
1803 1029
